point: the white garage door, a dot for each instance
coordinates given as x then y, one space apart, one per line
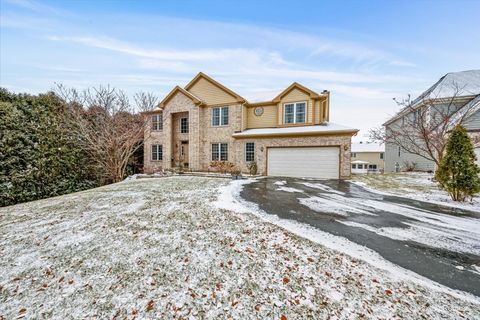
310 162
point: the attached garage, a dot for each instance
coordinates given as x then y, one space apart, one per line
301 162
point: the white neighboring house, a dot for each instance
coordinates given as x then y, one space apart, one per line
367 157
467 99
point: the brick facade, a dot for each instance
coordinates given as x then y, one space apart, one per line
202 134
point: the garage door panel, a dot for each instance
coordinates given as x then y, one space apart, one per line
313 162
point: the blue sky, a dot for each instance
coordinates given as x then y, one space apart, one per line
364 52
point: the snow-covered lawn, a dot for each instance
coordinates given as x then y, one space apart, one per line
165 248
414 185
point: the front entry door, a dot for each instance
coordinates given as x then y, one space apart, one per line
184 153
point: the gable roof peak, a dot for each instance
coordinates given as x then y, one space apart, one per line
170 95
297 85
202 75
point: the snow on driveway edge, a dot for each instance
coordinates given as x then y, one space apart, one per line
229 199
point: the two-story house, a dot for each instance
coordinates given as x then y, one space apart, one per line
289 135
368 157
456 96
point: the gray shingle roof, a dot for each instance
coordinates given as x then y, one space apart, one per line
453 84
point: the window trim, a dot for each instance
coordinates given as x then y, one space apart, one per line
295 112
158 122
221 116
159 154
219 144
246 151
181 125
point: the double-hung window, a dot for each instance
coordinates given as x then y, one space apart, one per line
381 155
295 112
220 116
354 154
219 152
250 151
157 152
184 125
157 122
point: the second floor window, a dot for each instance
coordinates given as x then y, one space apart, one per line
157 152
381 155
184 125
157 122
295 112
220 116
354 155
219 152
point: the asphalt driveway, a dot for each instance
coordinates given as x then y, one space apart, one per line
440 243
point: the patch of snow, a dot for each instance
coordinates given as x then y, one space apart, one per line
328 127
280 183
322 187
420 180
340 244
324 205
368 147
289 189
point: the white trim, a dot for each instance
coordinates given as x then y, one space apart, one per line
295 112
219 144
245 149
157 153
221 113
159 122
188 125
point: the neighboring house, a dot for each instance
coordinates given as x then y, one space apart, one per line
368 157
289 135
457 91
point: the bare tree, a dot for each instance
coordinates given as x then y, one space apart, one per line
145 101
107 126
423 125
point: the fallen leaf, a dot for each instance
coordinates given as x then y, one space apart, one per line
283 317
23 310
388 291
150 305
286 280
310 259
61 279
257 307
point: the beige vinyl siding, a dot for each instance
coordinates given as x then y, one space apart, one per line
316 108
371 158
296 95
266 120
210 93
